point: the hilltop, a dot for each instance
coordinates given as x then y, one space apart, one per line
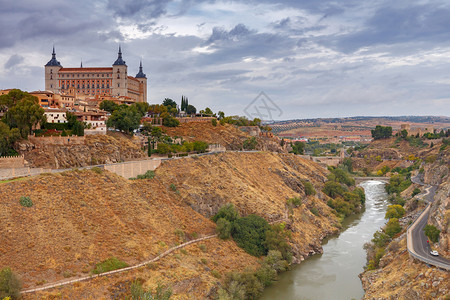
229 136
83 217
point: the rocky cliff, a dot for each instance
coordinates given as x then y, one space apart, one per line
96 149
79 218
402 277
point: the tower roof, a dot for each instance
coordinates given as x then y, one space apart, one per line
119 61
140 74
53 62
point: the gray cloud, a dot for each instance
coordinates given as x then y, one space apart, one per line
14 60
335 58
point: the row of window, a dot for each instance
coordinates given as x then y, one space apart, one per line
82 75
82 81
92 86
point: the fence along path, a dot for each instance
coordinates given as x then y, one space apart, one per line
66 282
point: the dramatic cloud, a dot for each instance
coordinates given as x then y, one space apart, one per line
312 58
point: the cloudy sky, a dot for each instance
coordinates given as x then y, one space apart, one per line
312 58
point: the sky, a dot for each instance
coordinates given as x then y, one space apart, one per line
277 59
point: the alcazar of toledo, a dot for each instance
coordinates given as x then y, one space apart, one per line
106 82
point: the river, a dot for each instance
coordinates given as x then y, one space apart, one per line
334 274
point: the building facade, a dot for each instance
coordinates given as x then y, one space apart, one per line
104 81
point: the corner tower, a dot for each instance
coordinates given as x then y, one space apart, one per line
142 84
119 76
51 74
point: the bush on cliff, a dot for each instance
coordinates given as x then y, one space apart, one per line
10 284
432 233
250 234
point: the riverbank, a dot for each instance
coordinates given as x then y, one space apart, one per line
334 274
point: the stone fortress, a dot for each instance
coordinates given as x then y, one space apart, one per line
96 81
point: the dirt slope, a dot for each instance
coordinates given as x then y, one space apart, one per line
79 218
229 136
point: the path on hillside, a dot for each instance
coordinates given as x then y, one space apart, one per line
417 243
70 281
66 282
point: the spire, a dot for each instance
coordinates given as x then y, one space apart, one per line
141 73
53 62
81 65
119 61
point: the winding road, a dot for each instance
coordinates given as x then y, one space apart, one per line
417 243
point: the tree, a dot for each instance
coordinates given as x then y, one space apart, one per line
156 132
142 108
298 147
125 119
191 110
200 146
348 163
208 111
250 234
109 106
169 102
394 211
169 121
392 227
381 132
223 228
228 212
221 115
404 133
432 232
10 284
7 138
26 114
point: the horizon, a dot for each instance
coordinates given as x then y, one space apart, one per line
312 60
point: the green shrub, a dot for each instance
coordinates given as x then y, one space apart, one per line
216 274
250 234
180 234
202 247
214 122
309 188
334 189
228 212
416 191
276 240
394 211
97 170
200 146
250 143
314 211
138 293
147 175
224 228
10 284
398 183
110 264
173 187
432 232
392 227
25 201
380 239
341 176
293 202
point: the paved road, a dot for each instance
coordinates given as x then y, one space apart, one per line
417 244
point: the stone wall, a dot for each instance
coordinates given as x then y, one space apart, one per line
12 161
21 172
133 168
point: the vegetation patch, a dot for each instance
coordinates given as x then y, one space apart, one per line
162 292
432 233
110 264
10 284
252 233
25 201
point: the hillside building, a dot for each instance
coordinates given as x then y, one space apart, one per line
93 81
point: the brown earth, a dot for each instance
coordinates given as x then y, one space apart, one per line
98 149
229 136
80 218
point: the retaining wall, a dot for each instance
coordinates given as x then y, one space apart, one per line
133 168
12 161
